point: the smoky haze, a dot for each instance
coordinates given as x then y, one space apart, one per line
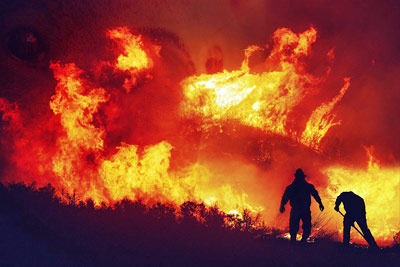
363 35
206 37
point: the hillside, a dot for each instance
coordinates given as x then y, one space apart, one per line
37 229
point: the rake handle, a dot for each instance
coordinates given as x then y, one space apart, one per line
353 226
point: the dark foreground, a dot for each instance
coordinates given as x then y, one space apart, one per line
38 230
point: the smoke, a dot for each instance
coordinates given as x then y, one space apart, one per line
363 36
200 37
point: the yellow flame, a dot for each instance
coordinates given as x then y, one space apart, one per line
83 169
263 100
76 104
380 189
134 57
321 120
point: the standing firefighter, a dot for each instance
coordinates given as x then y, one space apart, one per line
355 212
299 193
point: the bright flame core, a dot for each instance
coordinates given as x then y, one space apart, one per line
134 58
265 100
80 165
380 189
83 170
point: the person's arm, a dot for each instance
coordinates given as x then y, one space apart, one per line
338 201
315 194
285 199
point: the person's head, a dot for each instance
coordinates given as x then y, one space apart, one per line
299 175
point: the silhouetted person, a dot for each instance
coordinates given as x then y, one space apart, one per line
355 212
299 193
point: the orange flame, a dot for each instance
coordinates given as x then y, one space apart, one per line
321 120
84 171
134 58
265 100
76 103
379 186
81 166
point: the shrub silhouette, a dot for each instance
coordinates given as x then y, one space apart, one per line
132 233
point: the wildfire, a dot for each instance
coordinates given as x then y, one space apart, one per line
80 162
134 58
265 100
83 170
76 103
322 119
378 186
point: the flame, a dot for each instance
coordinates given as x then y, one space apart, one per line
265 100
76 103
83 170
82 165
378 186
321 120
134 58
130 175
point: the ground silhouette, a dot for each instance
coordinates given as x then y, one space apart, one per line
37 229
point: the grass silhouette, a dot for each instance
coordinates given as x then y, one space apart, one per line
132 233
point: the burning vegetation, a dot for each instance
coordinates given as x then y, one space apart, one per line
85 154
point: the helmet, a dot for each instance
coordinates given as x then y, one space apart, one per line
299 173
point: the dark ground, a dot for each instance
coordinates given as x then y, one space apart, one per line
38 230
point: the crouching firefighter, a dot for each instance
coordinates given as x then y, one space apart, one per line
355 212
299 194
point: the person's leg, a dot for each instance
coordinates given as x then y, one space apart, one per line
306 218
294 224
347 223
362 223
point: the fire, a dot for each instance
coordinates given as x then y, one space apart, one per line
322 119
264 100
83 170
134 58
378 186
128 174
80 162
76 103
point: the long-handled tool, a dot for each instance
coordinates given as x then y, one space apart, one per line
354 226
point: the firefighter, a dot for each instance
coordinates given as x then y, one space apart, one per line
355 212
299 194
